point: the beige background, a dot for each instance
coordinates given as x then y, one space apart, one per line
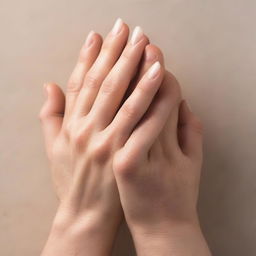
209 45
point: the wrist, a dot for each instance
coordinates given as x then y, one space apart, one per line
83 233
163 228
163 225
91 220
176 238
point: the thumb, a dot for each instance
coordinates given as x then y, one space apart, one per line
51 114
190 132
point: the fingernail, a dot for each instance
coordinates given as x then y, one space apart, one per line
89 40
150 56
136 35
117 27
188 105
154 70
45 89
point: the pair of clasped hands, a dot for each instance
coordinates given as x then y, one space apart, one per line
123 144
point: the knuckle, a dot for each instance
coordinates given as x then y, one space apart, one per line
107 45
91 80
129 110
123 164
73 86
75 81
108 85
57 150
67 128
79 133
144 89
78 140
126 55
101 150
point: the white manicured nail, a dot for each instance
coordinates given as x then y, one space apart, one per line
188 105
154 70
117 27
136 35
89 39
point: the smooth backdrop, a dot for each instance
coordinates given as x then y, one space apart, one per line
211 48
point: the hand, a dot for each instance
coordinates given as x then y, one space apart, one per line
158 173
82 141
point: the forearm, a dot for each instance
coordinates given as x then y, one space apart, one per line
177 240
80 237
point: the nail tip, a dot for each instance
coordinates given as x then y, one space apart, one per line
136 35
138 29
154 70
157 63
188 105
119 21
117 26
89 40
46 88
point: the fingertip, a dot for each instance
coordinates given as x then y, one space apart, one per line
98 37
51 113
48 88
45 90
55 97
126 27
119 28
92 43
47 85
153 53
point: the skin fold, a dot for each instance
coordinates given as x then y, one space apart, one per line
122 143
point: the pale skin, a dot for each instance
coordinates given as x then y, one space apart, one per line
123 144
